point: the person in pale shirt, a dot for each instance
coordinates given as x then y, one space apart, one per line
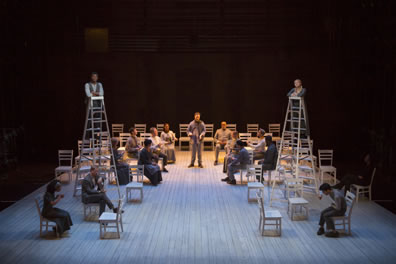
156 147
299 91
222 136
196 131
94 88
230 150
259 149
132 146
169 139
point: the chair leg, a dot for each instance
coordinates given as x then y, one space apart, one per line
100 232
118 231
122 227
370 193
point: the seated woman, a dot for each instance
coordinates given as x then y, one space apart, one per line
151 169
169 138
59 216
121 167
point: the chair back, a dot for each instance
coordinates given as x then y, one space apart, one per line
250 156
372 176
124 138
144 136
245 137
295 185
252 128
39 205
350 199
260 201
183 130
140 128
274 128
256 170
232 127
119 209
116 129
325 155
209 130
65 157
160 128
136 170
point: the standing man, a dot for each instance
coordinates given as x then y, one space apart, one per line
94 88
196 131
222 136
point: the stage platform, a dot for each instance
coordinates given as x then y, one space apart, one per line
193 217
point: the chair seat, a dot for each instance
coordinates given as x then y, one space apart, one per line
305 168
297 201
64 168
255 185
339 217
134 185
360 186
208 139
272 214
184 138
121 148
107 216
328 168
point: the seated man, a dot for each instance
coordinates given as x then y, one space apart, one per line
337 208
151 169
237 163
132 146
156 146
270 156
222 136
360 178
259 149
230 150
93 191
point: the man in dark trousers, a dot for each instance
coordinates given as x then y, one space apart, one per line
237 163
196 131
270 157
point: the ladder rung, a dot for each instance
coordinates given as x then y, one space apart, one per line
99 121
94 128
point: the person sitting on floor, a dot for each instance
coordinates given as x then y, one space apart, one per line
121 167
270 156
60 217
169 139
338 208
259 149
156 148
237 163
230 150
132 146
360 178
222 136
93 191
151 169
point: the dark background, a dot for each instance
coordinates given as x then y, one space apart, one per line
232 60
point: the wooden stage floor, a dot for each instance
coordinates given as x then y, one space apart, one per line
193 217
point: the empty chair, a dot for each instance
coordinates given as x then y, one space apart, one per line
111 220
360 189
268 217
245 137
209 135
82 145
252 129
123 140
140 128
160 128
326 164
144 136
344 220
254 171
274 129
138 171
296 186
44 221
183 136
65 158
116 129
232 127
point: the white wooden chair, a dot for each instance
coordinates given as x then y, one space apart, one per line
360 189
252 129
116 129
123 140
65 158
246 170
254 171
268 217
296 186
89 206
111 220
140 128
160 128
144 136
138 171
274 128
245 137
326 164
209 135
183 136
44 221
82 145
350 199
232 127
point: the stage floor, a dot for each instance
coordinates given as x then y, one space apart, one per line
193 217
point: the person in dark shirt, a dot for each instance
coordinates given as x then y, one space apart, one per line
270 156
151 169
121 167
60 217
237 163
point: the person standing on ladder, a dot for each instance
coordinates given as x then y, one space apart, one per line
299 91
94 88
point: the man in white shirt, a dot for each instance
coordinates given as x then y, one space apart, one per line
94 88
259 149
156 146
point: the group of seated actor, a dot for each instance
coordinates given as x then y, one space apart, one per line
151 169
236 162
61 217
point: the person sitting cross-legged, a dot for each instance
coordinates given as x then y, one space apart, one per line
237 163
337 208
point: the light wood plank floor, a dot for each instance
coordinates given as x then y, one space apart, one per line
193 217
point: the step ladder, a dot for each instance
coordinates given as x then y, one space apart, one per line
97 148
295 156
